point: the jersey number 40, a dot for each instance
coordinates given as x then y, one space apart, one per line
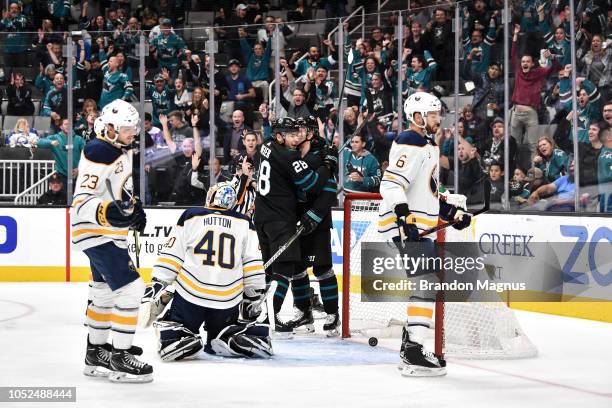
225 258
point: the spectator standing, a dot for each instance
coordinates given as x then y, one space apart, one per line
167 47
19 97
44 80
488 99
240 90
299 107
477 49
182 98
232 42
589 104
597 66
57 143
221 87
361 171
557 43
379 99
442 49
494 147
258 61
323 91
232 140
55 104
470 172
162 95
313 60
16 41
420 72
53 55
526 99
115 85
607 113
175 128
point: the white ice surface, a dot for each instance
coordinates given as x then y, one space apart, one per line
42 343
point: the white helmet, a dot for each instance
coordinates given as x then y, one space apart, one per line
118 113
221 195
423 103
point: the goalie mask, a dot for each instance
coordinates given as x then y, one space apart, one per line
122 116
221 195
423 103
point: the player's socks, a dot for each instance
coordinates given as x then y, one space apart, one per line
280 293
300 287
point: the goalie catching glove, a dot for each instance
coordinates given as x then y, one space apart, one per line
250 307
122 214
156 297
453 208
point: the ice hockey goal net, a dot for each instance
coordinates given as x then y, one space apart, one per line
478 330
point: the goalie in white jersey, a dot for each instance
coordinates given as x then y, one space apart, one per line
411 203
213 260
100 228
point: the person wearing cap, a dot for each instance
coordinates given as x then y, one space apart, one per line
240 90
236 20
494 146
167 47
115 85
162 96
56 195
488 98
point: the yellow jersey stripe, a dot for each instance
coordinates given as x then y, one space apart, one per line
177 266
128 321
98 231
98 317
247 269
214 292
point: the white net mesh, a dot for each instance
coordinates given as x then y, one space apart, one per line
478 330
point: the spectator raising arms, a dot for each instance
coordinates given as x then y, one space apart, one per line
19 97
116 84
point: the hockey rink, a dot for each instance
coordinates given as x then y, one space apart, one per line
43 344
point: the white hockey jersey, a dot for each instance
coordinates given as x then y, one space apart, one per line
100 161
212 256
412 178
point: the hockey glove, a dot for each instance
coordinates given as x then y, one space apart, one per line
156 297
250 307
309 222
140 219
410 231
330 159
465 220
121 214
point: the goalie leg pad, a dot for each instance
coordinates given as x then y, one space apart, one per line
238 340
176 342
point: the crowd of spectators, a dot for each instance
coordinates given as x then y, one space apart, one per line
540 118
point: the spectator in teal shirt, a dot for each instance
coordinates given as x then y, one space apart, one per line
167 48
553 162
116 84
361 169
604 169
558 45
57 143
258 61
477 50
589 104
162 96
15 43
44 80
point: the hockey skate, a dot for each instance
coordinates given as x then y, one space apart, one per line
97 360
303 323
419 362
128 369
318 311
332 324
282 330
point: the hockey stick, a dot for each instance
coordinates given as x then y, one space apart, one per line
282 249
357 131
109 187
485 208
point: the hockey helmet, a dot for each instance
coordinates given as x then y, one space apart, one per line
119 114
423 103
221 195
286 124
